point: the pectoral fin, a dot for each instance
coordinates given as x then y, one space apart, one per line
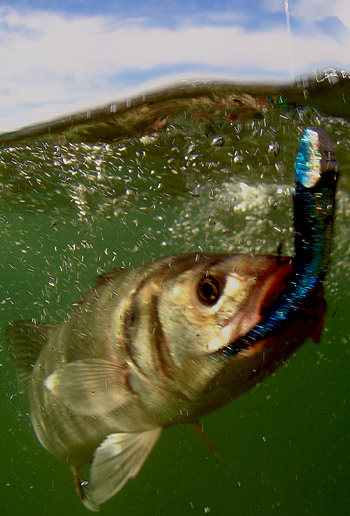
116 460
90 387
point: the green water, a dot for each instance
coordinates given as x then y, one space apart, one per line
179 172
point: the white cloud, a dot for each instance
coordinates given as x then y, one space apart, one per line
319 10
53 64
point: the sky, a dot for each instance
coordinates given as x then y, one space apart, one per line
61 56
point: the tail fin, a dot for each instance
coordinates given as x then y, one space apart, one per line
26 339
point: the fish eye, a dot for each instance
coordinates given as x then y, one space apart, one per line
209 290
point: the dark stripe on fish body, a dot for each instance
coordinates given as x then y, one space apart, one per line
164 359
162 272
130 322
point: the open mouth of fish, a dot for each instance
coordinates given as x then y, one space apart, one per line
265 295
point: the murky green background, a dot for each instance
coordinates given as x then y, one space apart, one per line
214 178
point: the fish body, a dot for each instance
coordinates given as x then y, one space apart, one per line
139 354
163 344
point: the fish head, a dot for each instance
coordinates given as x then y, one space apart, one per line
215 302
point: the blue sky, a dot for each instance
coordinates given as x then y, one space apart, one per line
60 56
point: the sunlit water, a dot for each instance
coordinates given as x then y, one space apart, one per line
214 175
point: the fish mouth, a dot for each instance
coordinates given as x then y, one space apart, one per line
269 286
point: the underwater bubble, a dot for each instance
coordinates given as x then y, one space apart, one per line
274 148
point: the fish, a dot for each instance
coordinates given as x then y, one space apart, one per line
167 342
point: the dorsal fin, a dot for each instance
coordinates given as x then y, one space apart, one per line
106 276
26 339
101 280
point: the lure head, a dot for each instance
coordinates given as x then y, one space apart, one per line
315 157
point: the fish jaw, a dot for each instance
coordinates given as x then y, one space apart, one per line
224 378
229 377
307 323
267 289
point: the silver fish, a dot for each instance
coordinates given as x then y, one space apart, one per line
140 353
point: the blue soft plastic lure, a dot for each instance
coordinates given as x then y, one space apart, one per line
314 204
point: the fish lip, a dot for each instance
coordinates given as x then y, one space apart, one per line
269 286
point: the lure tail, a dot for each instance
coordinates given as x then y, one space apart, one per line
316 175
